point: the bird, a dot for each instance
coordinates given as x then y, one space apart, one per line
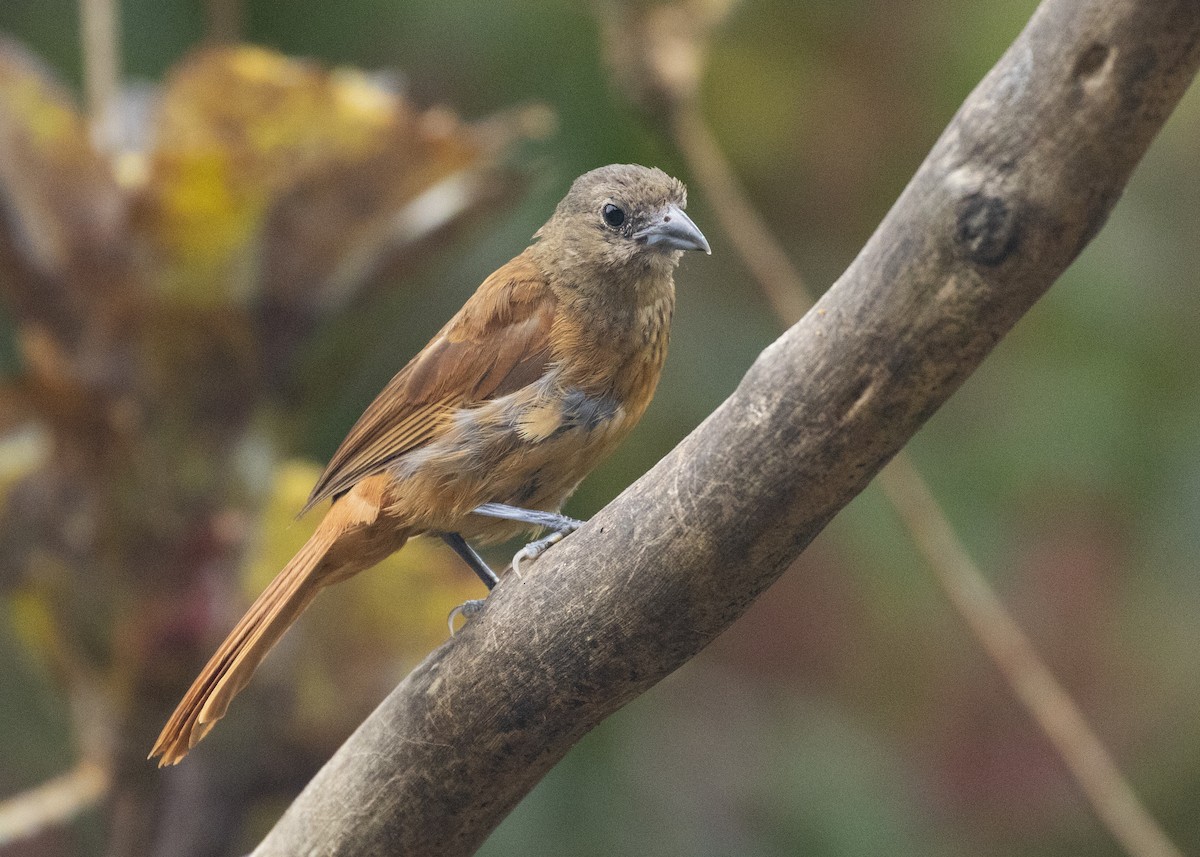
488 430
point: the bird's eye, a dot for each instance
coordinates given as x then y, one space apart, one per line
613 215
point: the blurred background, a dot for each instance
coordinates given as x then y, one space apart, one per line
196 308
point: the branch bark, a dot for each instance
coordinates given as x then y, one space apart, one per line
1031 680
1021 180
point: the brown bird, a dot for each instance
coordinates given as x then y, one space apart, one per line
489 429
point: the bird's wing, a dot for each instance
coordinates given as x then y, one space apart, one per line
497 343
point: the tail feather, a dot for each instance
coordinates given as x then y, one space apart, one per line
230 668
350 538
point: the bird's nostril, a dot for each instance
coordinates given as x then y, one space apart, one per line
667 219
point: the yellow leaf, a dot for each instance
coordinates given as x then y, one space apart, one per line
264 160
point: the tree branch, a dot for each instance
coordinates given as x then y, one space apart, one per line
1022 179
1016 658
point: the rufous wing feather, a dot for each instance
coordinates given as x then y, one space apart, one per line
497 343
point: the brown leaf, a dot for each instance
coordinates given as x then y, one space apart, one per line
276 178
61 213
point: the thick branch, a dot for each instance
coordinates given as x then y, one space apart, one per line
1022 179
1032 681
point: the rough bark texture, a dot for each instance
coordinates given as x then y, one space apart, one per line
1022 179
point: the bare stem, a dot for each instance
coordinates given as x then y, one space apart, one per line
777 277
101 44
1014 655
53 803
1032 682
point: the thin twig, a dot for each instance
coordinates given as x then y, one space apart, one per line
51 804
101 45
1035 686
61 800
778 279
1046 700
224 21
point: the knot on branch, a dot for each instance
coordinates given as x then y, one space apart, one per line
1091 61
987 228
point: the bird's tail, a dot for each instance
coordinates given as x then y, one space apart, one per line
230 669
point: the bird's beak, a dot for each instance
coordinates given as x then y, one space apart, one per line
673 230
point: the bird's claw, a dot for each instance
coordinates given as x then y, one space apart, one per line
467 610
533 550
470 609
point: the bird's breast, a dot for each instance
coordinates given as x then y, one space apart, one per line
623 354
530 448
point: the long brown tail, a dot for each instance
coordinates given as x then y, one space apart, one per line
230 669
350 538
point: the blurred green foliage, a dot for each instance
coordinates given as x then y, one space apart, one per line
849 712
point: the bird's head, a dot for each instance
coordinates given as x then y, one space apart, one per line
620 219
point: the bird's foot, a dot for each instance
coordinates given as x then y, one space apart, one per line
533 550
468 610
560 524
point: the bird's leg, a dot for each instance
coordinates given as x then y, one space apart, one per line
474 560
549 520
469 608
560 524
